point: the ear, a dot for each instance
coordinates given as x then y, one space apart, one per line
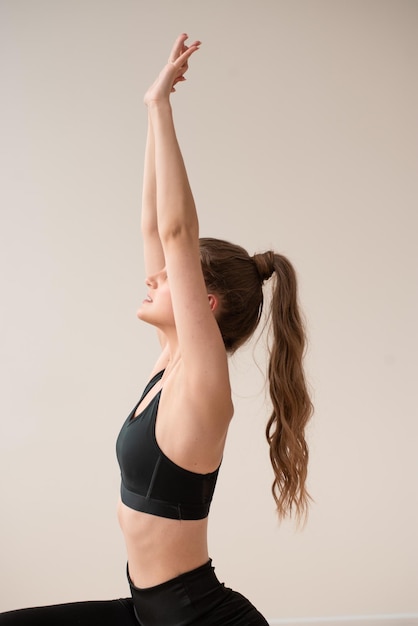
213 302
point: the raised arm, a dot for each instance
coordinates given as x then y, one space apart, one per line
200 342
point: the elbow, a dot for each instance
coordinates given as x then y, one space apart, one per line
179 231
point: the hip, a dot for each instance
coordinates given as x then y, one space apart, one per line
195 598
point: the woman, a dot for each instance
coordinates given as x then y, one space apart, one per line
205 298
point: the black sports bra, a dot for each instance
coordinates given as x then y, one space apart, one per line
151 482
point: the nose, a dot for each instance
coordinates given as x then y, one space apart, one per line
155 279
152 280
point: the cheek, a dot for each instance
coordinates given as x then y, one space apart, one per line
169 304
166 297
162 302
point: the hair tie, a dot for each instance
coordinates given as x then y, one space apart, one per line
265 264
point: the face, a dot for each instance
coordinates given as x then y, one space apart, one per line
157 307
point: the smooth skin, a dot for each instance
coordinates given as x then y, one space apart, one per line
195 407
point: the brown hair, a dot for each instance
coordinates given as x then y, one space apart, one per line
237 279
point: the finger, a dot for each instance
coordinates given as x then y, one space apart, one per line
195 43
183 58
177 48
179 71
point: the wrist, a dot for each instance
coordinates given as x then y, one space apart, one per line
162 104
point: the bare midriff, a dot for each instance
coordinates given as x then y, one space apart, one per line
160 549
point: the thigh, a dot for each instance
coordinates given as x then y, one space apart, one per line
101 613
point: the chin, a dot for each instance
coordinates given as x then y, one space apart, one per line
142 315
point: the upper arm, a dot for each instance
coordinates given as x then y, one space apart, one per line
154 261
153 251
201 345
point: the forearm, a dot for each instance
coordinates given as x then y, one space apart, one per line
149 189
176 212
153 252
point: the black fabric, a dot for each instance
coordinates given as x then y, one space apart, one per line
101 613
151 482
195 598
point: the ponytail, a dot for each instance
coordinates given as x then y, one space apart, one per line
292 406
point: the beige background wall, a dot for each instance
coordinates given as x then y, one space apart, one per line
299 129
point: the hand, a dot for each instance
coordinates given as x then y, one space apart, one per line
173 72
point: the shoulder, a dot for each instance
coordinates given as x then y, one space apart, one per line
193 422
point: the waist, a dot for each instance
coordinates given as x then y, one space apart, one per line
160 548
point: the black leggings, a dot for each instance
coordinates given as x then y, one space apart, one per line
196 598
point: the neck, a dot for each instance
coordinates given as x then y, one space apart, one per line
171 347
